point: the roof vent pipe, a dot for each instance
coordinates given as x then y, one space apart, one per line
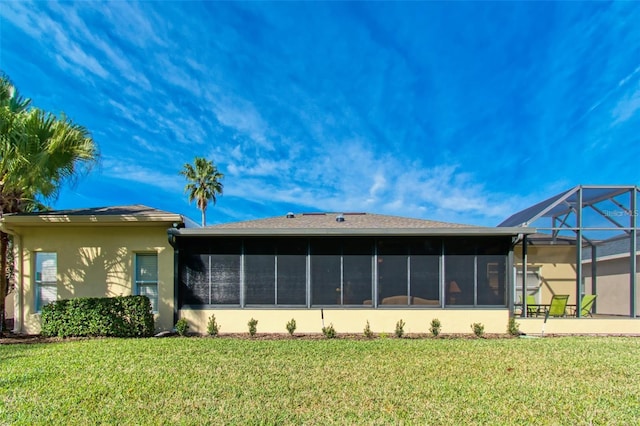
340 218
290 215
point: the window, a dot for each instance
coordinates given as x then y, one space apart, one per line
147 277
534 282
46 279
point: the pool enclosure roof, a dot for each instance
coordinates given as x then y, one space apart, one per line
598 212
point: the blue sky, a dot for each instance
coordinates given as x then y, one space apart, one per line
462 112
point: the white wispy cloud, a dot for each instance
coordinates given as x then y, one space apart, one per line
135 173
627 107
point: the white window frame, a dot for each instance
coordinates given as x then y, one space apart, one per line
534 282
49 281
139 283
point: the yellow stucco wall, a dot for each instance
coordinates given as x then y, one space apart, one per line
94 261
557 269
347 320
533 326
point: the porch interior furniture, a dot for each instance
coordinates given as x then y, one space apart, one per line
402 300
586 306
533 309
558 305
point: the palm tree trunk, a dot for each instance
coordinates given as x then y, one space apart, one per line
4 245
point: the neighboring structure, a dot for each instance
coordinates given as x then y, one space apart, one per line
611 270
98 252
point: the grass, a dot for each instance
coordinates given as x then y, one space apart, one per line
573 380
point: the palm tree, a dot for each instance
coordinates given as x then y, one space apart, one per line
204 183
39 152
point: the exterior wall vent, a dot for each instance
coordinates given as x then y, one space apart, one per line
340 218
290 215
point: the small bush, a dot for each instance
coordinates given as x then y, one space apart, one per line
182 327
478 329
367 331
291 326
513 328
400 328
329 332
213 328
122 316
253 326
435 328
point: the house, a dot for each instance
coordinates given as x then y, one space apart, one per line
344 269
98 252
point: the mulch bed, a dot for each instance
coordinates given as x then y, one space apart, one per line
11 338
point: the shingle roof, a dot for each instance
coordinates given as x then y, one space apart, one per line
613 247
108 216
329 220
320 224
131 210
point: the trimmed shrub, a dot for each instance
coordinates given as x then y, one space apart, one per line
435 328
253 326
329 331
367 331
213 328
182 327
400 328
291 326
123 316
478 329
513 328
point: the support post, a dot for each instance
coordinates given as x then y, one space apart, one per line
633 267
511 285
594 274
579 254
524 276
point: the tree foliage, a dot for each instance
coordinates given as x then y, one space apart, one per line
204 183
39 152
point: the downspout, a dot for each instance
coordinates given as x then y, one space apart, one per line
172 237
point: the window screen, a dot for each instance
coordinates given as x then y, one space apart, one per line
260 272
292 271
46 279
147 277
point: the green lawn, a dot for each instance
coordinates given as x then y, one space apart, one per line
573 380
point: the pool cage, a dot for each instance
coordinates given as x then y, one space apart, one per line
601 221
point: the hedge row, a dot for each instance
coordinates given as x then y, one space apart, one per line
123 316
